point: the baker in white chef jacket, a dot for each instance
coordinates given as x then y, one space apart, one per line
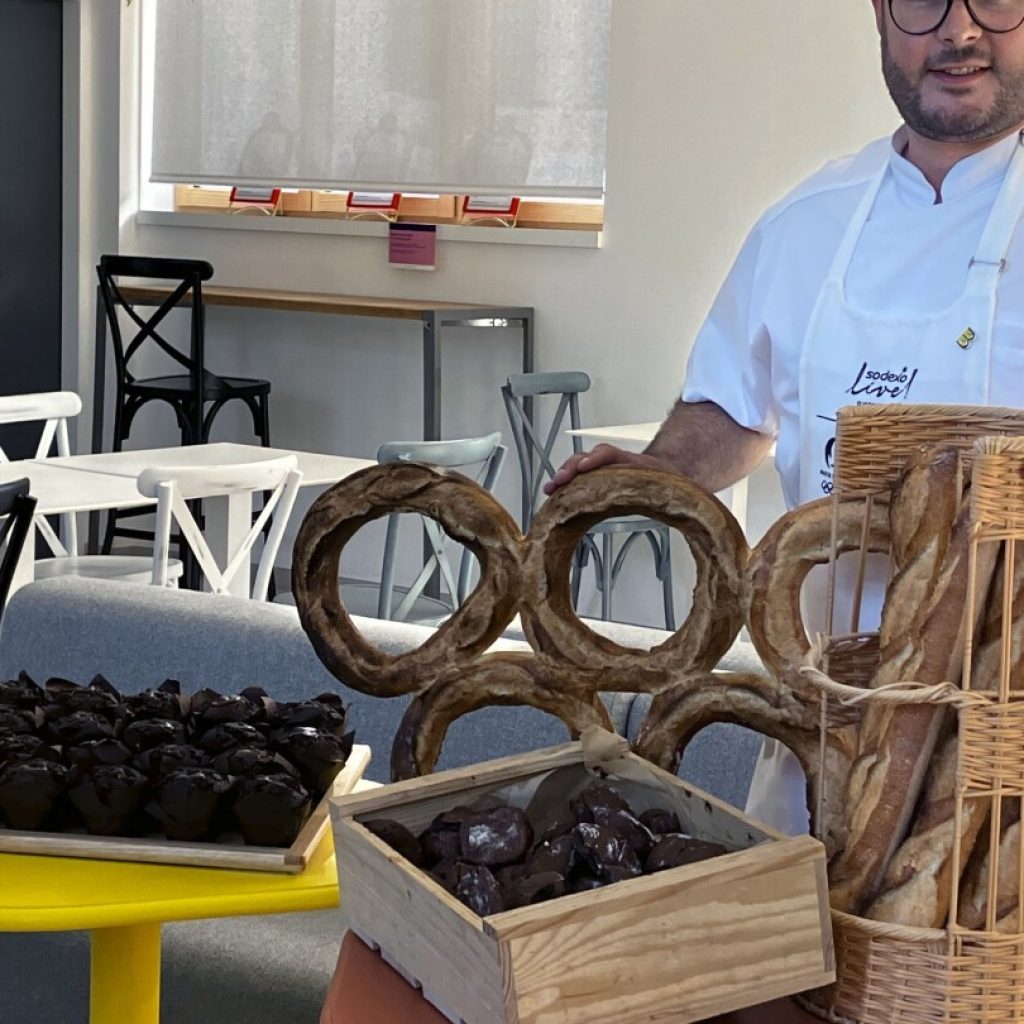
894 275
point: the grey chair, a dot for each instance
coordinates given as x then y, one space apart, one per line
485 455
534 447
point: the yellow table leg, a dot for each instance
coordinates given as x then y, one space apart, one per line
125 985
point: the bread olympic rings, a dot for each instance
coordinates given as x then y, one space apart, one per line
719 551
467 513
496 679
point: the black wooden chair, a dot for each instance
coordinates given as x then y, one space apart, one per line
17 509
196 395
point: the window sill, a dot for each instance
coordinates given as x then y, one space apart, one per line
370 229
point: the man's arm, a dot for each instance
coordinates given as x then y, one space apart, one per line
698 439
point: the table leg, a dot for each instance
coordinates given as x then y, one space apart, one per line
99 382
738 502
431 378
228 522
125 975
431 417
527 324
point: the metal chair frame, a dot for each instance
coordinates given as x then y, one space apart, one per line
489 453
17 507
536 466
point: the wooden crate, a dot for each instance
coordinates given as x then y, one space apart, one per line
428 209
291 860
201 199
679 946
297 202
329 202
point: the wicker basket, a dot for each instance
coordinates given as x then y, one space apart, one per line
891 974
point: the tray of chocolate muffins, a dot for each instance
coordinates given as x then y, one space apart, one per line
580 884
219 780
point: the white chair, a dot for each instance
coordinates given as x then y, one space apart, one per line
54 409
173 487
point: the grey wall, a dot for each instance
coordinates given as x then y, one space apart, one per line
30 207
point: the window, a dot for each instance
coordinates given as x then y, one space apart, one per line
445 97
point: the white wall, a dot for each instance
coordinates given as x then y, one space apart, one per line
716 109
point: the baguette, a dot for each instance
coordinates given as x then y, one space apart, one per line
973 910
924 507
917 886
987 659
897 742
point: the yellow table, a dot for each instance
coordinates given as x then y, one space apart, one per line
124 904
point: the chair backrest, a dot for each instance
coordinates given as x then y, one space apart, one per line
187 277
487 453
173 487
533 444
17 509
53 409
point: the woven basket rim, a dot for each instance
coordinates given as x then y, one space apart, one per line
925 410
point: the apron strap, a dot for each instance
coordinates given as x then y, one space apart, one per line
989 259
847 247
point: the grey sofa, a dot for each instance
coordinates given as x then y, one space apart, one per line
137 636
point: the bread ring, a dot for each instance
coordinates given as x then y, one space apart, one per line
757 702
496 679
468 514
780 563
719 550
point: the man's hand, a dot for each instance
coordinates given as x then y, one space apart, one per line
697 439
602 455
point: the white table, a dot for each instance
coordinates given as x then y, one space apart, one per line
643 434
623 433
89 483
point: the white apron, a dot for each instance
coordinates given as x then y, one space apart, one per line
852 356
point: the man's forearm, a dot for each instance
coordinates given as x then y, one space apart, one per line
704 442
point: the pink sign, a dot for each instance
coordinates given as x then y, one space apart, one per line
413 246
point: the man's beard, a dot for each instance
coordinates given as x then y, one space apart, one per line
1005 113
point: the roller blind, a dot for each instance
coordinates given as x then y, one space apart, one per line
449 96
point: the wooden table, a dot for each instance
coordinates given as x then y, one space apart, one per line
365 990
89 483
433 316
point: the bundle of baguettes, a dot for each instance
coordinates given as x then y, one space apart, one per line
901 821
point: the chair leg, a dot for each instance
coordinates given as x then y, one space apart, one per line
576 575
665 572
263 431
124 414
607 578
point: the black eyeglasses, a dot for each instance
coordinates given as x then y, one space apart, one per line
921 17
